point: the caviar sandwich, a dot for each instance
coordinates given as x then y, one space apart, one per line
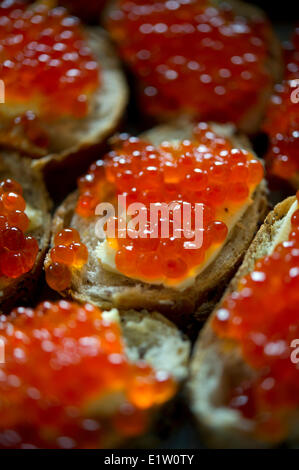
102 379
179 163
244 372
210 59
24 229
64 91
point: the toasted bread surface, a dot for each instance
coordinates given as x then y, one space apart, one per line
151 337
250 124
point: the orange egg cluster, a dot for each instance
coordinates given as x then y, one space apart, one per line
282 120
262 317
192 57
44 58
68 252
17 251
61 360
206 170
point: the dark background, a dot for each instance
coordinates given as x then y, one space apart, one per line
286 10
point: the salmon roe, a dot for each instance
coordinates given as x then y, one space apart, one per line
68 252
206 170
64 365
17 251
262 317
282 120
192 57
45 61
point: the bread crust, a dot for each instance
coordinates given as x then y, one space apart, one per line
217 364
22 289
107 289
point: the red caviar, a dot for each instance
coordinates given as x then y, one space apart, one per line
192 57
192 171
282 120
61 360
68 252
17 251
45 62
262 317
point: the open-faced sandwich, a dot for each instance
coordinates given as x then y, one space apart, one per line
211 59
244 374
77 377
282 119
155 263
64 90
24 229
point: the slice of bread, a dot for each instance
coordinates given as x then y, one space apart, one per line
250 123
106 289
12 165
214 368
74 143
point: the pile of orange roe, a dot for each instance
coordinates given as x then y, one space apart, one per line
61 360
206 170
192 57
282 120
262 317
45 59
17 251
68 252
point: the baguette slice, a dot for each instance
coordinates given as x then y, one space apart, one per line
14 166
107 289
214 369
250 123
74 143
